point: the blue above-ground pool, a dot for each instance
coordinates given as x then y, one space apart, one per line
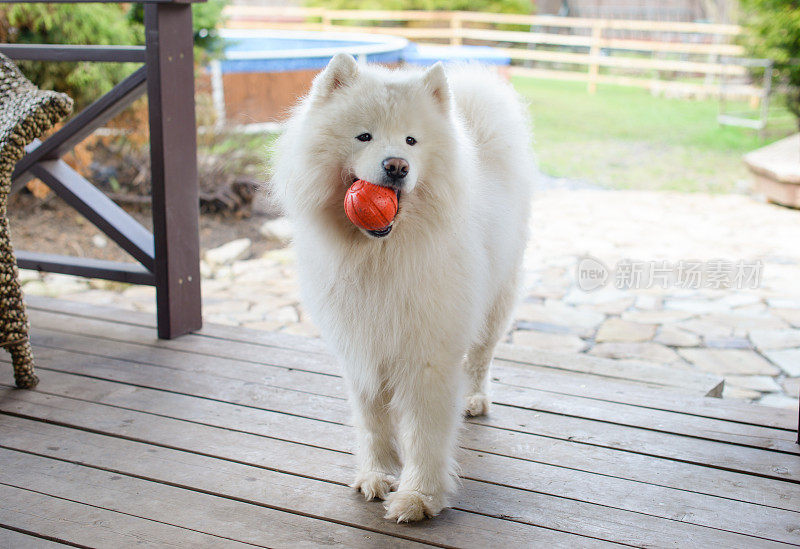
280 51
263 72
419 54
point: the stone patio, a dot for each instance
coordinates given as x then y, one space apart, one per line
750 335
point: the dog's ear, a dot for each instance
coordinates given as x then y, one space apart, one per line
435 81
341 71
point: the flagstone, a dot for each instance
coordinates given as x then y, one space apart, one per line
775 339
675 337
566 343
764 384
616 329
729 361
655 316
787 359
778 400
792 316
651 352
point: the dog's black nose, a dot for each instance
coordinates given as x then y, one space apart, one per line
395 168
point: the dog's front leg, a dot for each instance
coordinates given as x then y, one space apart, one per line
428 402
376 453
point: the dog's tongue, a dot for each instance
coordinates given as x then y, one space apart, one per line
371 207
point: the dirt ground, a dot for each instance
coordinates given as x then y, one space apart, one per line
51 226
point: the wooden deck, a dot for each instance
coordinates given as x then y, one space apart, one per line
232 438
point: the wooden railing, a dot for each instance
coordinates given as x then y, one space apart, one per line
650 54
169 258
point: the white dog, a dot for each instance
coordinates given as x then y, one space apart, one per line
414 311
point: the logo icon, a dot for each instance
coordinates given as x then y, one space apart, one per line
591 274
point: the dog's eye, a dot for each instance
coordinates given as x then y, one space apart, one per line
364 137
411 141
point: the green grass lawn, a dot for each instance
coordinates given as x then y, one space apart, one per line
624 137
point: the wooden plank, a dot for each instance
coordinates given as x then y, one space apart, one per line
546 55
254 525
254 476
627 370
671 26
147 320
674 47
272 11
555 461
273 25
50 344
90 526
586 22
628 527
313 350
669 65
526 37
647 83
648 397
258 344
478 17
770 464
389 15
413 33
130 273
69 52
545 375
652 420
594 58
285 376
279 386
89 201
594 54
532 20
20 540
561 452
488 467
548 74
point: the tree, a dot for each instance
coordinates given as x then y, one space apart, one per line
773 32
100 24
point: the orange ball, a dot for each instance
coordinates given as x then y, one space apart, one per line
369 206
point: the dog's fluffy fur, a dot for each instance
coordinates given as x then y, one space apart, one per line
414 316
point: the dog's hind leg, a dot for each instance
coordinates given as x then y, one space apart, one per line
377 451
480 355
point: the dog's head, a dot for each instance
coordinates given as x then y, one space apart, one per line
391 128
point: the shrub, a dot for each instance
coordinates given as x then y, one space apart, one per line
206 18
101 24
773 32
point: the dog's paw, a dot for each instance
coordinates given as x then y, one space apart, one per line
374 484
477 405
411 506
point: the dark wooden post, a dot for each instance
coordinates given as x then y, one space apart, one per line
173 156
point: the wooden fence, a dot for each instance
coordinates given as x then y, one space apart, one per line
687 58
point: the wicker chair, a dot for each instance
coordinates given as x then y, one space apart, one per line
25 114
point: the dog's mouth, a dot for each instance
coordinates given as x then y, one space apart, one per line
380 233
